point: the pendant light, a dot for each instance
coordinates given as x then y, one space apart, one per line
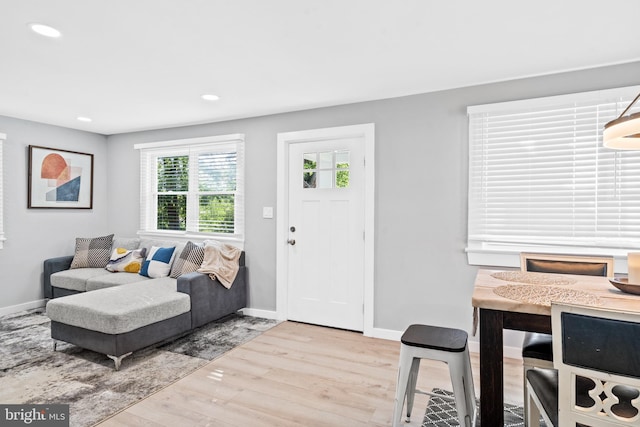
623 133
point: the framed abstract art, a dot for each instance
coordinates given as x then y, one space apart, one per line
60 179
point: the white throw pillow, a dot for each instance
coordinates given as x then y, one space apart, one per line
158 262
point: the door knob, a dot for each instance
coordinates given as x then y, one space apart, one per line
291 242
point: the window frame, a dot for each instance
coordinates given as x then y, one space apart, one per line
485 252
192 147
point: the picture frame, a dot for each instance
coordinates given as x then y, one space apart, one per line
59 179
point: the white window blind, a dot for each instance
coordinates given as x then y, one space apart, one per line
540 177
3 137
193 187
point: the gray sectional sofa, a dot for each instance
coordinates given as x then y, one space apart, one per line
118 313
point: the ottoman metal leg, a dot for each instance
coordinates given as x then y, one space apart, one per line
118 359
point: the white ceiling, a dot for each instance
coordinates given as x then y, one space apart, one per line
143 64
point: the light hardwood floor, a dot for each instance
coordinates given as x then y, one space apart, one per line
298 375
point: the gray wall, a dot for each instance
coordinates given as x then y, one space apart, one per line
421 271
36 234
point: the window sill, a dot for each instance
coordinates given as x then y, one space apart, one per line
183 236
503 256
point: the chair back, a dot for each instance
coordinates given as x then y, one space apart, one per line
567 264
598 367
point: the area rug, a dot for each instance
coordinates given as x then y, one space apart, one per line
31 373
442 413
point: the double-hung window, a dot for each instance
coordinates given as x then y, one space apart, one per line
541 180
193 187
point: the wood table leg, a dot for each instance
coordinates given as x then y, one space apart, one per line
491 368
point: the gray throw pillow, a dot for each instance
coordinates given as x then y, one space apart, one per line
190 260
92 252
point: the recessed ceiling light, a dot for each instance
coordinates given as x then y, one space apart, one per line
45 30
84 119
210 97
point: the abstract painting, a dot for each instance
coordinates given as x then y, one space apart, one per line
60 179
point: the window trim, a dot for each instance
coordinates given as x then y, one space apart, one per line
485 253
151 149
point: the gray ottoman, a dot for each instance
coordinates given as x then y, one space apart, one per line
119 320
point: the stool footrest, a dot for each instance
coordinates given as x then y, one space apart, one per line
441 396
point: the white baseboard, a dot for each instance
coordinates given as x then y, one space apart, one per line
265 314
474 346
390 334
386 334
21 307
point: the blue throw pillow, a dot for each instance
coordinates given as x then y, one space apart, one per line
158 262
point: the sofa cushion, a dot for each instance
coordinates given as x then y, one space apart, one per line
120 309
164 281
126 260
92 252
76 279
113 279
158 262
190 260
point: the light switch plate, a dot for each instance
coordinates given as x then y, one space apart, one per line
267 212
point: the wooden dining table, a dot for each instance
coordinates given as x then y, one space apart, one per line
521 301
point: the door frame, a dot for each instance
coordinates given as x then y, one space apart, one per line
367 133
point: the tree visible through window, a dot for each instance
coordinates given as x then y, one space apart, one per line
329 169
193 188
173 186
216 189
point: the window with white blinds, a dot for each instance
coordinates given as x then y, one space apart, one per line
193 187
539 177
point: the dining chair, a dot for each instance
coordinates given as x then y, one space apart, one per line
596 380
537 351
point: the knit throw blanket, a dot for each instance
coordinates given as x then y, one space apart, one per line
221 262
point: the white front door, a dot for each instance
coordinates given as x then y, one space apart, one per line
325 228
